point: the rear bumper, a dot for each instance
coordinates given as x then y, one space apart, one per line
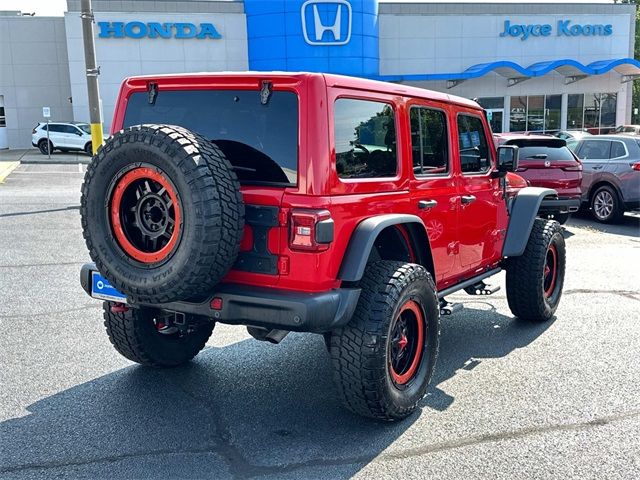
263 307
560 205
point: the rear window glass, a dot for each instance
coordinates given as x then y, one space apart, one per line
545 153
260 141
365 139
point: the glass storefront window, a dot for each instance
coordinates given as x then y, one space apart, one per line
591 110
490 103
518 114
552 105
535 113
608 104
574 111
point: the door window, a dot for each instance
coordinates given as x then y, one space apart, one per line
365 139
56 128
474 148
595 149
429 144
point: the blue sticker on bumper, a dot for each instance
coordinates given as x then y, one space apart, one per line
102 289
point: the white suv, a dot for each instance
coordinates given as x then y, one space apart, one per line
63 136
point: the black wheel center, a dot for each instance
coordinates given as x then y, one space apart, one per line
152 214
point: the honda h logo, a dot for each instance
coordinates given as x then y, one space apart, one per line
326 22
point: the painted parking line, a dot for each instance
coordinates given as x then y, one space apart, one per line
6 168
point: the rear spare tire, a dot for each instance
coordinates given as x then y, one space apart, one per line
162 213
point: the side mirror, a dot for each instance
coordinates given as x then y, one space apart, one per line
508 157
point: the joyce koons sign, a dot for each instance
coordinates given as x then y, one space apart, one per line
562 28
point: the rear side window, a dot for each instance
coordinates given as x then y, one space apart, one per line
365 139
617 149
56 128
545 153
429 144
260 141
595 149
474 149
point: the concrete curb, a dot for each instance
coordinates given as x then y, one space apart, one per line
53 161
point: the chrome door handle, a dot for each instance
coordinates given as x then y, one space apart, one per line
467 199
427 204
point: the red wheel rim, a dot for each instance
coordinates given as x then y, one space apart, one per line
550 271
145 215
406 343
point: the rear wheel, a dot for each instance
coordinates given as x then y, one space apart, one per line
42 146
149 338
535 279
384 358
606 206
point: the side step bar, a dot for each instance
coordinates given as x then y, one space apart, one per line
468 283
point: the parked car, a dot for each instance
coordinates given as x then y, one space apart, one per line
572 134
627 130
313 203
63 136
611 175
547 162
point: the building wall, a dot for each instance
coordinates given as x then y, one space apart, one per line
33 74
449 38
122 57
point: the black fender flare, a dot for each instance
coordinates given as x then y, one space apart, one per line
523 212
363 238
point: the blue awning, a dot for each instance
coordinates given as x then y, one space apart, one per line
508 69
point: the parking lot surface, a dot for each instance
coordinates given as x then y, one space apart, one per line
508 399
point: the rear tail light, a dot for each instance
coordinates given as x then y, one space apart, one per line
573 168
636 166
311 230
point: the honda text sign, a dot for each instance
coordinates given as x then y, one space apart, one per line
326 22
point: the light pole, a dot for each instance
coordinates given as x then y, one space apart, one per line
95 116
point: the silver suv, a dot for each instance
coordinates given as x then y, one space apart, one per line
611 174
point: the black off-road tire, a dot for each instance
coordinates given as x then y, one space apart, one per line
606 194
361 351
134 335
210 202
526 279
42 146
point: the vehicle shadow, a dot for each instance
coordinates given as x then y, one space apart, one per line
629 226
247 409
473 335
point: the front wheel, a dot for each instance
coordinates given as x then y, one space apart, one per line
88 148
150 338
384 358
535 279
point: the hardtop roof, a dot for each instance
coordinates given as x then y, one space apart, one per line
331 80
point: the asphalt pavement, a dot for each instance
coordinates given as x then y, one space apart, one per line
509 399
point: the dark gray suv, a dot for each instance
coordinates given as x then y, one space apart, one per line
611 174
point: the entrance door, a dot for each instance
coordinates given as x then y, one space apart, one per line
3 125
495 117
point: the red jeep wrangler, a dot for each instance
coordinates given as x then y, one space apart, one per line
314 203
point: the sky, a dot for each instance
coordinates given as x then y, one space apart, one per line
57 7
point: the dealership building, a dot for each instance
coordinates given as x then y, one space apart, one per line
536 67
